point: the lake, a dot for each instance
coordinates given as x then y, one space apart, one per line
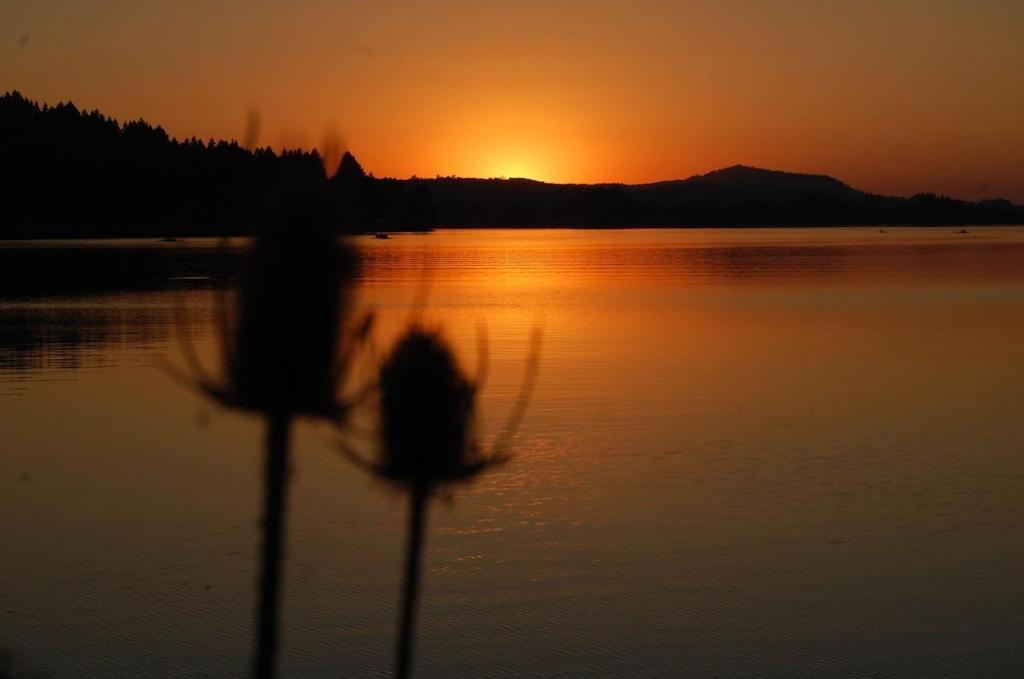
750 453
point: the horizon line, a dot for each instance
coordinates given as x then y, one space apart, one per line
282 149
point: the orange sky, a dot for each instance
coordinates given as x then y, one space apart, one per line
894 97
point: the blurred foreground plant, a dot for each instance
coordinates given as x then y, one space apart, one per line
287 343
428 442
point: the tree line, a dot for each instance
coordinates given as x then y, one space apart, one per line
73 173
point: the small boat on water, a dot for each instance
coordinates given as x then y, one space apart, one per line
170 239
380 235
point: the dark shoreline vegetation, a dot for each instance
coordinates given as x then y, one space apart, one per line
80 174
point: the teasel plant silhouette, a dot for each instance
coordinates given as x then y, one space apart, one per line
287 341
427 441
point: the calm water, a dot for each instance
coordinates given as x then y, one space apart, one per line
765 453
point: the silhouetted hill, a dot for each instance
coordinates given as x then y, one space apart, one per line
749 196
734 196
755 179
72 173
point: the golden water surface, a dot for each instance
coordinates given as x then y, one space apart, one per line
770 453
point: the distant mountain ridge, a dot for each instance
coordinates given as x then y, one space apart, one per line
760 178
736 196
742 175
73 173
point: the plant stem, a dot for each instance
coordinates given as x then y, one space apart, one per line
410 597
275 488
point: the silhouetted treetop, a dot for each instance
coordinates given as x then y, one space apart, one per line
349 169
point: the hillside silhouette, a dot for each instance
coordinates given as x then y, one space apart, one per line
737 196
77 174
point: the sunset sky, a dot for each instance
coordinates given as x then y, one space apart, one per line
893 97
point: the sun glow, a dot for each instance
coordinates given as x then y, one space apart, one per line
515 163
517 170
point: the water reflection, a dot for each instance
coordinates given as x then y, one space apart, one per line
811 470
65 319
707 255
62 335
42 269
